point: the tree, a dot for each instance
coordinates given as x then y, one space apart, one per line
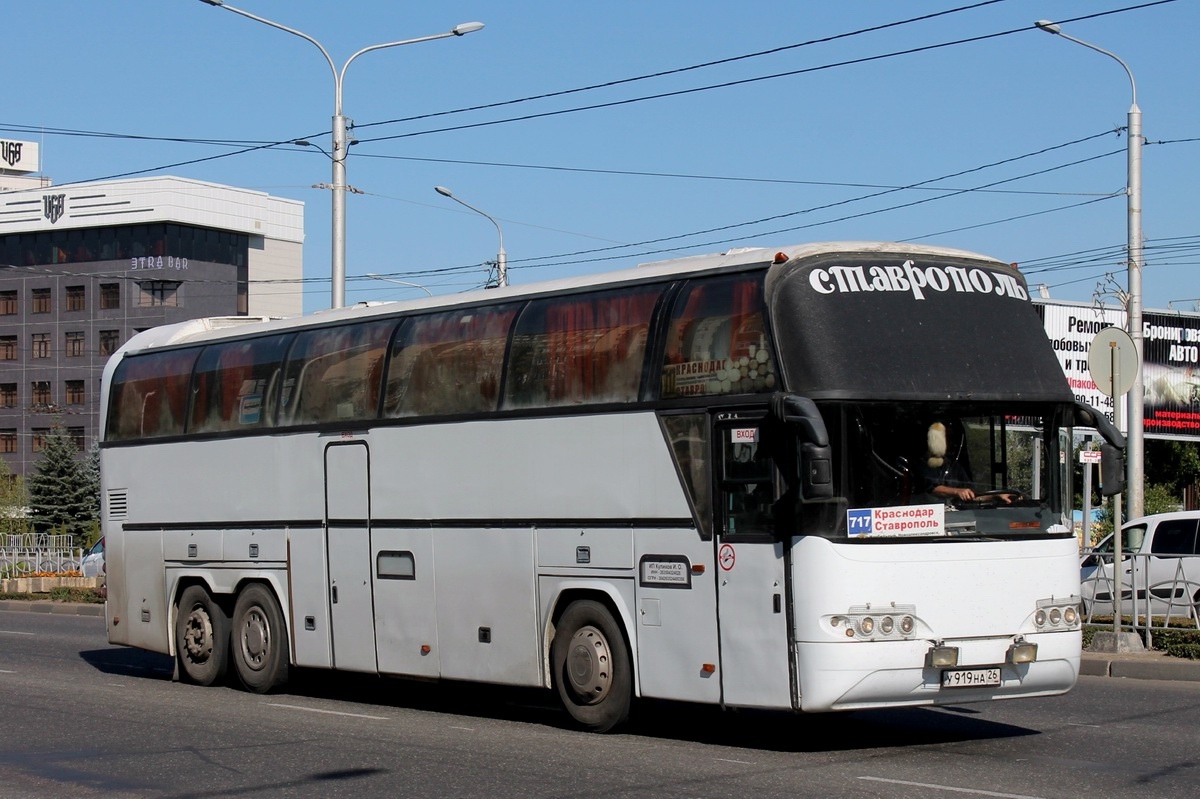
59 492
1175 464
14 503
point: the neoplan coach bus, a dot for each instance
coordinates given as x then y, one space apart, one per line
801 479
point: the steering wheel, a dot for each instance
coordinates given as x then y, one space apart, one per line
993 497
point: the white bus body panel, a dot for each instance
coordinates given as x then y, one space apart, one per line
676 625
977 596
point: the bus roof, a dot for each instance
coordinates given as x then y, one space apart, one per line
215 328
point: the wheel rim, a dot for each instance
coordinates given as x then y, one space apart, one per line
255 639
198 636
589 665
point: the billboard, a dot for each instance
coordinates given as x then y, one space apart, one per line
1171 375
1170 363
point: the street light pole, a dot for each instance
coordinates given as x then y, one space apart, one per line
502 256
1135 451
340 139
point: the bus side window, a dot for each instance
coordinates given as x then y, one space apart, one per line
580 349
153 395
448 363
234 384
717 341
334 374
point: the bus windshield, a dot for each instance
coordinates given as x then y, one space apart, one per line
995 470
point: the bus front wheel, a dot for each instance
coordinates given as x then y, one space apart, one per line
260 648
201 637
592 671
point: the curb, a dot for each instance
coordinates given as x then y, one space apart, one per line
56 608
1149 666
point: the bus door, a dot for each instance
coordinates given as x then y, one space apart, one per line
751 594
348 548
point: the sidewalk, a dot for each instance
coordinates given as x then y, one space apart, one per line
1140 666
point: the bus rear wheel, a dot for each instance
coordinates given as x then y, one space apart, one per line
201 637
259 645
592 671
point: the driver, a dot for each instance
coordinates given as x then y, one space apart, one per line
947 469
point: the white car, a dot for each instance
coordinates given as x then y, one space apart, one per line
1161 559
93 561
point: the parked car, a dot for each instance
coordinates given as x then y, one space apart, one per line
1161 567
93 561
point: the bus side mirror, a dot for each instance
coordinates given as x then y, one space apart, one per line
1112 470
798 419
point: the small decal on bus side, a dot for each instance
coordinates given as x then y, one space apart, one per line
665 571
902 520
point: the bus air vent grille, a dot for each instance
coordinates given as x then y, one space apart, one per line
118 504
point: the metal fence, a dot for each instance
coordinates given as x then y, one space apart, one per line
38 553
1156 591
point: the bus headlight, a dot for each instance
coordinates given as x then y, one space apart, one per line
876 623
1056 614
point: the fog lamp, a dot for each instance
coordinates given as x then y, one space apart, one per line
943 657
1022 653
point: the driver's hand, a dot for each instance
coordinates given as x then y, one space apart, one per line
965 494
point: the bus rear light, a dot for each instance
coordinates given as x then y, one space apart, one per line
1024 525
1022 652
708 668
943 657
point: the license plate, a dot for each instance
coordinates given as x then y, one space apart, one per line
970 678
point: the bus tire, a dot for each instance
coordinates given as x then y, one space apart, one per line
592 671
259 641
201 637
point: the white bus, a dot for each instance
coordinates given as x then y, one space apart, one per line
827 477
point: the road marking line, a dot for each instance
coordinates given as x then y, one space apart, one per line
739 762
952 789
14 632
468 729
6 671
330 712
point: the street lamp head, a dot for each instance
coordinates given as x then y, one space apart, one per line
442 190
1048 26
459 30
214 2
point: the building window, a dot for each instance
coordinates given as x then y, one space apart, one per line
42 300
8 348
8 440
76 298
110 340
38 441
158 292
110 296
8 303
8 395
74 345
41 392
39 345
76 436
75 392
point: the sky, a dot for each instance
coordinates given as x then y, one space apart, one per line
601 136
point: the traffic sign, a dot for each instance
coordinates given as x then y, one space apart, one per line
1112 361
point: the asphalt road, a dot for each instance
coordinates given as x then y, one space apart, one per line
80 718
